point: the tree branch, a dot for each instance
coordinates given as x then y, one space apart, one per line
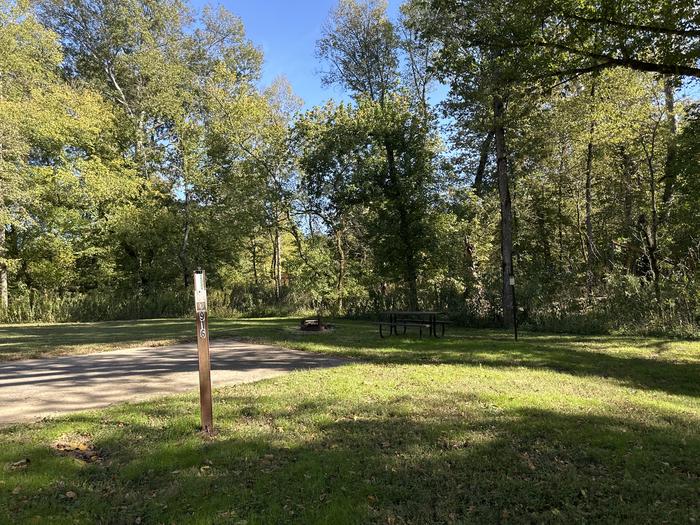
635 27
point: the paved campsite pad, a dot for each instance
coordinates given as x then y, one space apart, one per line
36 388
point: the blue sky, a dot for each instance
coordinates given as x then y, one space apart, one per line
287 32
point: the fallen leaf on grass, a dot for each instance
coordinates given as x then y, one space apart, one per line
21 464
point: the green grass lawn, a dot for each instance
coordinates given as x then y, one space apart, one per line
24 341
472 428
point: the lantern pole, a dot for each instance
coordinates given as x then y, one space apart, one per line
515 307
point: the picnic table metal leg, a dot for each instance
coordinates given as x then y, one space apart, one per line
442 330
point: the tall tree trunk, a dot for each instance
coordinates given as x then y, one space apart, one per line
184 259
473 286
254 253
628 223
543 231
648 233
560 215
4 293
409 256
341 269
590 243
140 146
483 159
506 208
277 263
651 234
669 169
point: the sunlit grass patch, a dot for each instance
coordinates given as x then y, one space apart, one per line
368 442
473 428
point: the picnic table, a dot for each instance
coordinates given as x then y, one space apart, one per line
404 319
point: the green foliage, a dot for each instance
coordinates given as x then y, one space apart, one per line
136 145
360 45
368 175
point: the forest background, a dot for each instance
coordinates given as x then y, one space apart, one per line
136 145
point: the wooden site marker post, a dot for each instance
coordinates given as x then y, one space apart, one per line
202 322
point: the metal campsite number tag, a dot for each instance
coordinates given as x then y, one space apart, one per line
200 292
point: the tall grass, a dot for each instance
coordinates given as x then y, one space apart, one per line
104 305
609 317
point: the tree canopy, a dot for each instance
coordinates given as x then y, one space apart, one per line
138 144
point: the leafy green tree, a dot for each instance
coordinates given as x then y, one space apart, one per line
482 84
360 45
330 145
571 37
155 63
362 48
60 176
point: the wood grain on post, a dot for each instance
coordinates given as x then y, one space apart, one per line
202 321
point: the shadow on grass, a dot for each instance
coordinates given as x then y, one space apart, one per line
525 465
21 341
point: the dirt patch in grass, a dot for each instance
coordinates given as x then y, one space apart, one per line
78 447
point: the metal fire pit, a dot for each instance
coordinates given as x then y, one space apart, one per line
313 325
